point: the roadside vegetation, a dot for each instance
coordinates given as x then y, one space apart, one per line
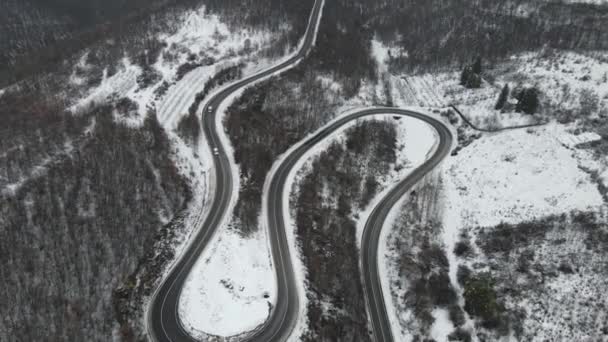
421 289
268 118
337 184
522 274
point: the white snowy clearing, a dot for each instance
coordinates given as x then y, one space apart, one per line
517 176
512 177
229 288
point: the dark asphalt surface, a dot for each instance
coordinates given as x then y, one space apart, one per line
285 314
162 317
380 323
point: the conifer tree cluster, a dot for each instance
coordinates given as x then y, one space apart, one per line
471 75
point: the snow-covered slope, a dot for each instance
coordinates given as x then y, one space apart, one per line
201 38
516 176
229 288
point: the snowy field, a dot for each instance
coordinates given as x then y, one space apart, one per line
561 76
514 177
229 289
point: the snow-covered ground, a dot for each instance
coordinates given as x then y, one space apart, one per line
517 176
562 76
230 287
514 176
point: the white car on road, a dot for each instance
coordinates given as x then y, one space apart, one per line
216 152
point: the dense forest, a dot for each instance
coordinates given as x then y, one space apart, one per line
440 33
340 182
77 227
40 35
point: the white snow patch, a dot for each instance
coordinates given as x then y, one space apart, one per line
179 98
380 53
571 141
123 81
206 35
517 176
228 290
442 326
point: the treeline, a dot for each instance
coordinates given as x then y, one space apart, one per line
272 15
111 28
343 48
341 182
436 33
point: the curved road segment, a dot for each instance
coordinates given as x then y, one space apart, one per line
380 322
163 318
163 321
287 298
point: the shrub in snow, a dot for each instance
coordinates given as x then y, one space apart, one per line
527 101
589 102
480 299
469 78
471 75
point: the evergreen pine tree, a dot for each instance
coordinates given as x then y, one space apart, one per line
477 66
502 98
527 101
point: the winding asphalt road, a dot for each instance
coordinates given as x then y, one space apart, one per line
163 323
163 319
380 322
288 301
